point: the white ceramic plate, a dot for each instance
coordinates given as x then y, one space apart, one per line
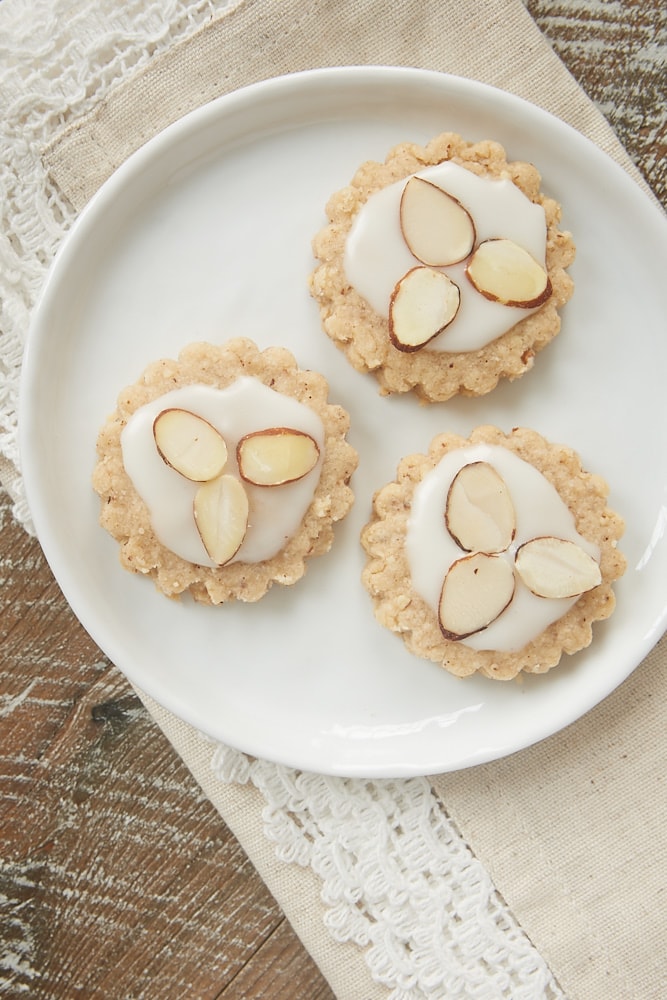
205 234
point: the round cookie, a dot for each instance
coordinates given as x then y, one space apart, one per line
239 470
493 554
365 251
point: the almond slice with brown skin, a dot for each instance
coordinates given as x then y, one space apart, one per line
476 590
189 444
436 227
556 568
221 515
479 512
276 456
504 272
423 304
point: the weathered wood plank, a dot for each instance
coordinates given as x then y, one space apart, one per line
118 879
617 52
277 971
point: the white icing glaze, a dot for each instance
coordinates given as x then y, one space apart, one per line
247 405
539 511
376 255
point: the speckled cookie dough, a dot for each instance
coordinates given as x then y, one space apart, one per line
245 473
493 554
357 316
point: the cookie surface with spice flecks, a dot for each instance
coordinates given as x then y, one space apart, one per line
493 554
223 471
443 269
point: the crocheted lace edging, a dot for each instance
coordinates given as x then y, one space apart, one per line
398 880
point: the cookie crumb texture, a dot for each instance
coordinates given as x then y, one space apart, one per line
386 575
364 336
125 516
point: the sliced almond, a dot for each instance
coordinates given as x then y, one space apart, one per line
189 444
479 513
221 516
504 272
476 590
424 302
276 456
436 227
556 568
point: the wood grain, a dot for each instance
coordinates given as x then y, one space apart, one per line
617 51
118 879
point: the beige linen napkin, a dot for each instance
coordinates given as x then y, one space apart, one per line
568 828
493 41
572 832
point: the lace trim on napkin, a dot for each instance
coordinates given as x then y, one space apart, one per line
57 61
398 881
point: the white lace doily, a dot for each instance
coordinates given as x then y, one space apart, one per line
397 878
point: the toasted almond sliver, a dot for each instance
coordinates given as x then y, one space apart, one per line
423 304
436 227
556 568
476 590
221 515
504 272
479 512
276 456
189 444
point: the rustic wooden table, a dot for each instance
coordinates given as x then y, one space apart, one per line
119 879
